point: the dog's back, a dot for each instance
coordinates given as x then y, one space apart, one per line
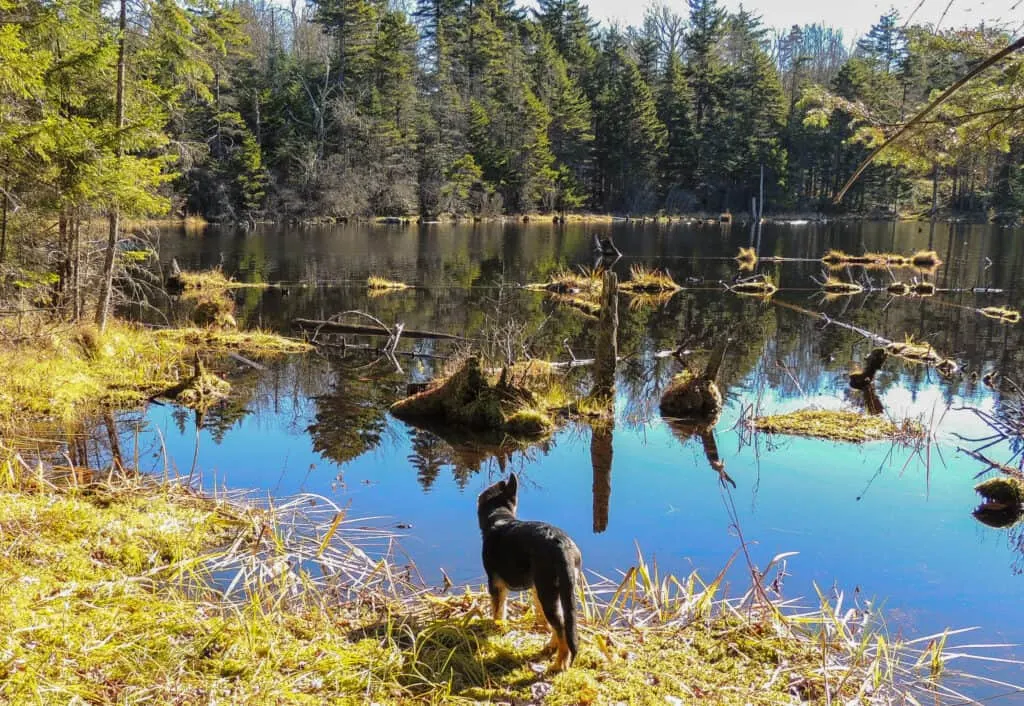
520 555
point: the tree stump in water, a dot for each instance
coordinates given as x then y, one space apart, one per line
696 398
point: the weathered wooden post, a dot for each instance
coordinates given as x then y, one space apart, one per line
607 340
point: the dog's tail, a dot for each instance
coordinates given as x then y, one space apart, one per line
567 597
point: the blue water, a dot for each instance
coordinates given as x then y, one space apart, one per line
892 523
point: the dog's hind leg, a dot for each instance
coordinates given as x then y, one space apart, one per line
499 597
553 613
538 610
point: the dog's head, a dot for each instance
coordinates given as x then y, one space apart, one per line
502 496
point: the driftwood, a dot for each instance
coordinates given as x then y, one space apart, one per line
363 330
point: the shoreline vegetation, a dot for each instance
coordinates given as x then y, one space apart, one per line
224 598
697 218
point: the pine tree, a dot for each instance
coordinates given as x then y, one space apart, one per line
675 103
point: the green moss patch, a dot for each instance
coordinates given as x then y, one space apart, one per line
837 425
1004 490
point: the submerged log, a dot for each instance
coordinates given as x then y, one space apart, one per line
357 329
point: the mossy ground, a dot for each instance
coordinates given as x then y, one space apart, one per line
63 373
838 425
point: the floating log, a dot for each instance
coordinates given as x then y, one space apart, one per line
357 329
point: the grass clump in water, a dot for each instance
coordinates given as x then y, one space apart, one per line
747 259
1001 313
838 425
758 287
834 286
382 284
644 280
213 279
925 260
62 374
579 290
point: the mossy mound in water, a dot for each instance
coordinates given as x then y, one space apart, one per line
837 425
467 399
1008 492
692 397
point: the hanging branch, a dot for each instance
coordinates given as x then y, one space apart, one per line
995 58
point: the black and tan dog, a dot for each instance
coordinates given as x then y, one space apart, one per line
521 555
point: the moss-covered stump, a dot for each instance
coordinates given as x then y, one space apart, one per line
468 399
838 425
692 397
1008 492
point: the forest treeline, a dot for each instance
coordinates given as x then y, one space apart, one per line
242 110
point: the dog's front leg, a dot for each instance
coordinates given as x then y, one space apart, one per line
499 595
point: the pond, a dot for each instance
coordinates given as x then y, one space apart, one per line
879 521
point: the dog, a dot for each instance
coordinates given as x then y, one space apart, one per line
521 555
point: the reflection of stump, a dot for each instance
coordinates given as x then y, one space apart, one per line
607 339
601 460
872 402
684 432
862 379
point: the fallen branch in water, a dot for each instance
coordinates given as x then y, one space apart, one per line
328 326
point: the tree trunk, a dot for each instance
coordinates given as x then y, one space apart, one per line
107 282
935 189
3 220
607 339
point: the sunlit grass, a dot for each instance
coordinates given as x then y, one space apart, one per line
64 373
645 280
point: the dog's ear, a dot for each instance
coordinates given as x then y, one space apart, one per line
512 485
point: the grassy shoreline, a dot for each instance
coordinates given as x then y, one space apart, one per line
110 598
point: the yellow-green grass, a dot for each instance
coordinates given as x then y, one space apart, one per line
585 283
747 258
838 425
63 373
215 279
646 280
105 602
376 283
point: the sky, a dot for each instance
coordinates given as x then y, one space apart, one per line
854 17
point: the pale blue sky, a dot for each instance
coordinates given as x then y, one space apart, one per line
854 16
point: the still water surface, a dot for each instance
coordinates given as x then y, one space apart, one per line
893 523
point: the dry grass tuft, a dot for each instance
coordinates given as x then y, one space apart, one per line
373 282
644 280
